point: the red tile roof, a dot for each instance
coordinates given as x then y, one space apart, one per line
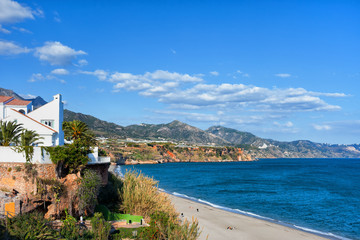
5 98
18 102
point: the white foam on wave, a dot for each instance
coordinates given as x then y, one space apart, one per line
333 236
184 196
250 214
254 215
118 171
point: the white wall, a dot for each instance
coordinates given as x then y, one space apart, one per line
53 110
8 154
2 112
30 124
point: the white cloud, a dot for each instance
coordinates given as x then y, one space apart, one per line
37 77
10 48
100 74
23 30
28 96
4 30
246 75
12 11
82 62
57 54
184 91
286 124
57 17
214 73
283 75
342 127
165 75
250 97
322 127
60 71
152 83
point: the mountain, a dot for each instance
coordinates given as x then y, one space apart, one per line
10 93
236 137
36 102
272 148
100 127
175 131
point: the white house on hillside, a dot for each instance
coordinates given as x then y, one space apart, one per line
45 120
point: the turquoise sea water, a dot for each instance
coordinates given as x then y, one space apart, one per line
318 195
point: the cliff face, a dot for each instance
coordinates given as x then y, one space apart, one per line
139 153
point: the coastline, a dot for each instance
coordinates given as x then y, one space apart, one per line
214 223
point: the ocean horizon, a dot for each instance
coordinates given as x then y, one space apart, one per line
321 196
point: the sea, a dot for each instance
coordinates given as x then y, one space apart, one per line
321 196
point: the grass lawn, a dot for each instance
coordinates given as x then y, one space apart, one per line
109 216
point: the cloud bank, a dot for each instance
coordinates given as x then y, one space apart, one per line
57 54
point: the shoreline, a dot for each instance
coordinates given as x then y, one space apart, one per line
214 223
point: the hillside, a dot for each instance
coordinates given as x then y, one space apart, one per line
174 131
272 148
100 127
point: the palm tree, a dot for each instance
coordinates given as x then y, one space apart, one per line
29 138
9 132
76 130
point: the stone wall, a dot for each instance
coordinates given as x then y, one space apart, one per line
102 170
14 176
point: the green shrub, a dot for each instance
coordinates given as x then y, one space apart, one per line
100 227
88 191
31 226
123 233
73 231
110 194
70 158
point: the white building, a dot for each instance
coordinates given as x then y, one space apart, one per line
45 120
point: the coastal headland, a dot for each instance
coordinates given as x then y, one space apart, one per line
220 224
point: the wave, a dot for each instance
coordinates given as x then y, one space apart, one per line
250 214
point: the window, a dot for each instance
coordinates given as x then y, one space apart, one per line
49 123
22 111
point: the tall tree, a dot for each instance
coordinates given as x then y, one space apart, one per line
10 132
76 129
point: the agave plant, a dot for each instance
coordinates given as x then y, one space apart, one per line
9 132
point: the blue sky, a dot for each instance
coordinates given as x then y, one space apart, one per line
285 70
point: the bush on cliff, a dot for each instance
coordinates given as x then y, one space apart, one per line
88 191
140 196
70 158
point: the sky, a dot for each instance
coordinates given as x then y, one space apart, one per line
285 70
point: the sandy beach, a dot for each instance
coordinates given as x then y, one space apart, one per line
214 223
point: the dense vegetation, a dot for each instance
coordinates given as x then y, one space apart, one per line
135 194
